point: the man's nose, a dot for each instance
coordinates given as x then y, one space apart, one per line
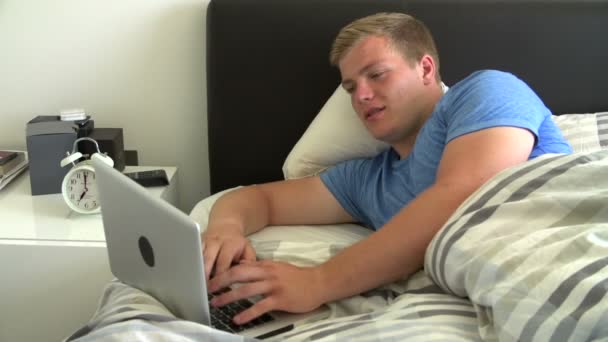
364 92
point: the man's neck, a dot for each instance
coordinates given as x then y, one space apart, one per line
405 146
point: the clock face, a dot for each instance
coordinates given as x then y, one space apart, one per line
80 190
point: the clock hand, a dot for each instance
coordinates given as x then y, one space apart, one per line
85 188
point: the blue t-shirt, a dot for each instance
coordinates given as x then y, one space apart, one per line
373 190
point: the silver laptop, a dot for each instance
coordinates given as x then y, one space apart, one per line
156 248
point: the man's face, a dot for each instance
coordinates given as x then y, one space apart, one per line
386 90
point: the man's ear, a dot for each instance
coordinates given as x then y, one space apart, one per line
427 64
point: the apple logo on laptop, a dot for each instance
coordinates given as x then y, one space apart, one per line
145 248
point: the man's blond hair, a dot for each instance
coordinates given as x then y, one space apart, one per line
408 35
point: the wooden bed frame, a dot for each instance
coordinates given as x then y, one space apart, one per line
268 72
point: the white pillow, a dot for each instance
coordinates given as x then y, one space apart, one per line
336 134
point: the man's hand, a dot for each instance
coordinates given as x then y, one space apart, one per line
247 210
224 247
284 287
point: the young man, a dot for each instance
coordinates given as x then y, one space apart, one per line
444 147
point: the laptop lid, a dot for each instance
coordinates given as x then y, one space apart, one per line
152 245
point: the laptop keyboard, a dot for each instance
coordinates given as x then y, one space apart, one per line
221 317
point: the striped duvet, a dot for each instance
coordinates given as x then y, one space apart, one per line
525 258
530 251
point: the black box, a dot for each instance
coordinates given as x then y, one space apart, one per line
48 139
110 141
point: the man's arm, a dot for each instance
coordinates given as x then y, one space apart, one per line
398 248
247 210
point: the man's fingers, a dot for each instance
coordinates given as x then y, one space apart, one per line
209 254
241 273
257 310
232 253
242 292
249 253
226 257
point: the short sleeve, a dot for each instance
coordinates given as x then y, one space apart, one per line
491 99
344 182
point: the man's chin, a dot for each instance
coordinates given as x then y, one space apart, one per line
378 133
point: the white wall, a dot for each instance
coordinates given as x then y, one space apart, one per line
135 64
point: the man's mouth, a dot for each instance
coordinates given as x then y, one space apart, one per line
374 113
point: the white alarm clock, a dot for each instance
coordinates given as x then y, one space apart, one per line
79 188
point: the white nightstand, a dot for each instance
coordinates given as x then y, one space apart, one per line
53 262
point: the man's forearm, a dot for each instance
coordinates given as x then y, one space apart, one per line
301 201
396 250
244 209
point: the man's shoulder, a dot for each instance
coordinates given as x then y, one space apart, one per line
472 89
486 79
487 86
486 94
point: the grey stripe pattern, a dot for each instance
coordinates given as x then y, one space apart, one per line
568 325
455 318
479 203
584 132
525 251
483 214
602 129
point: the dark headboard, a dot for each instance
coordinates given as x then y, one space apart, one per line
268 72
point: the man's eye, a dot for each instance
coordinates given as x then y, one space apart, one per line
376 75
349 89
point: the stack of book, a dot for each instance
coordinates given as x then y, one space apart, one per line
12 163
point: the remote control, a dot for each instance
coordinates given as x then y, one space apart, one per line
149 178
